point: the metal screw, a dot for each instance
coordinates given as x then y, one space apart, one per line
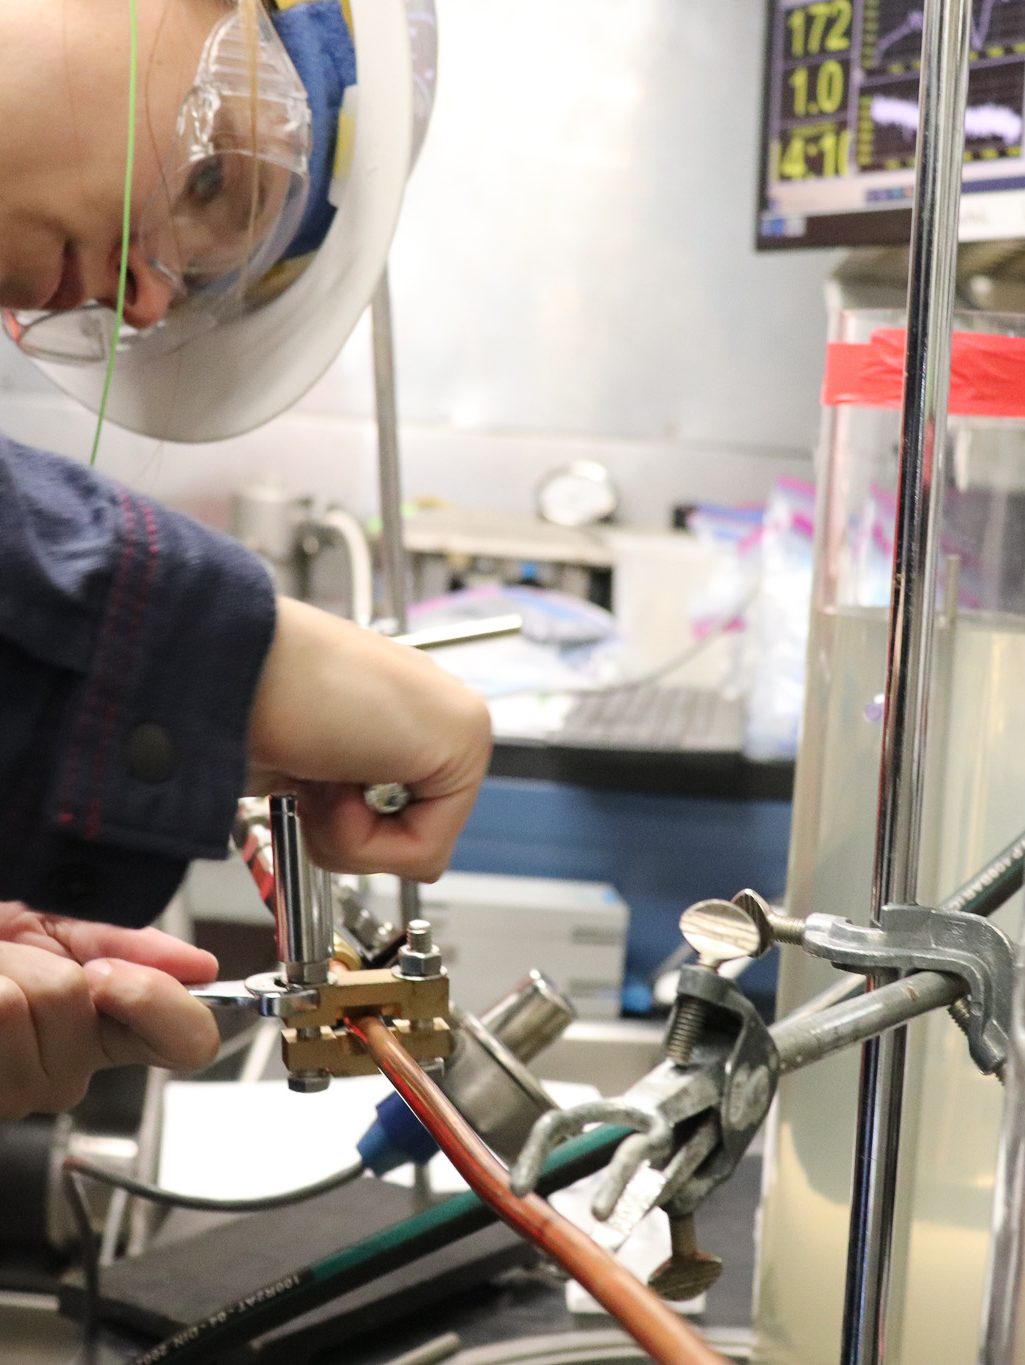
718 931
778 928
961 1016
308 1082
418 957
420 936
688 1271
684 1030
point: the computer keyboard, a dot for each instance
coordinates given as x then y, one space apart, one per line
652 719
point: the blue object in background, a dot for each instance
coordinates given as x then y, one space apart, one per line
661 852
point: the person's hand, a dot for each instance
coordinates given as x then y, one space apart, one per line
338 709
76 998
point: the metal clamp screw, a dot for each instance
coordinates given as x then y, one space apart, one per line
688 1271
778 928
719 932
418 957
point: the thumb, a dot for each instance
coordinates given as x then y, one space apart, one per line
148 1018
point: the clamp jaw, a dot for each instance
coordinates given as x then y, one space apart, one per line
916 938
693 1115
416 1011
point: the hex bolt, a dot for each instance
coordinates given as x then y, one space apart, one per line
418 957
688 1271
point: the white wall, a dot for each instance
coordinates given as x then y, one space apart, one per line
573 275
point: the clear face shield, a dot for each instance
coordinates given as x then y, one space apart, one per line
231 198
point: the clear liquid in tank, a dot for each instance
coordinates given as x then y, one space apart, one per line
974 805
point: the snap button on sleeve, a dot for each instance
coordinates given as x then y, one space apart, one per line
151 755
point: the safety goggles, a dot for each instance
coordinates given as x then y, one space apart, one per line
230 199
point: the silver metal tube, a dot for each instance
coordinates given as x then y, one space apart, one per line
436 637
302 912
393 554
409 901
804 1038
389 473
1003 1318
944 74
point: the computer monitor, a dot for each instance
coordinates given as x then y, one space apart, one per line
841 114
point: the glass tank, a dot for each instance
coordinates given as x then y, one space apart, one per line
974 805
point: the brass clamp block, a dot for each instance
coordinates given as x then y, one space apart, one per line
314 1038
415 1009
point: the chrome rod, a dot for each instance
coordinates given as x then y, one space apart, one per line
933 260
302 911
462 632
389 471
803 1038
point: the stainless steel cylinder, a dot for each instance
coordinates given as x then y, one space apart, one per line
302 901
486 1077
531 1017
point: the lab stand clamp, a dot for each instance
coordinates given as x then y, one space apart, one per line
917 938
914 937
696 1112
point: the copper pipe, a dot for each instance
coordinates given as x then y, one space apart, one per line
656 1328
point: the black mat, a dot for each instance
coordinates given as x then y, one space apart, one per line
488 1287
172 1285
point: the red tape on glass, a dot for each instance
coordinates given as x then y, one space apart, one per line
987 373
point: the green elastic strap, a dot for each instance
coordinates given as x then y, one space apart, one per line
126 223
